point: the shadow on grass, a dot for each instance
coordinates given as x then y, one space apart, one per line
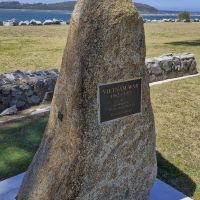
175 177
20 141
18 144
185 43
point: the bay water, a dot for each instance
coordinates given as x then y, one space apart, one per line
42 15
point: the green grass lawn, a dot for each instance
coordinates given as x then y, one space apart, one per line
31 48
165 38
176 104
177 113
18 144
35 48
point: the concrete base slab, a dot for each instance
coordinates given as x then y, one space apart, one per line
160 190
10 187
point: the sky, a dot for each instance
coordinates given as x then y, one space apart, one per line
189 5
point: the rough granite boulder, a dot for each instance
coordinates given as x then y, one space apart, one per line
80 158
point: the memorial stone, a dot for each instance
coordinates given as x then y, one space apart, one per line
99 143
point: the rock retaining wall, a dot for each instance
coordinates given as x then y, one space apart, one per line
171 66
28 89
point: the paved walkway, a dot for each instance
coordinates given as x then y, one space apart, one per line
160 191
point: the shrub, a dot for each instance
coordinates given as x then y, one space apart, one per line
184 16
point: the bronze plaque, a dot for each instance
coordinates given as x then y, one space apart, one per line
119 99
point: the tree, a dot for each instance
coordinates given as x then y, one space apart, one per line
184 16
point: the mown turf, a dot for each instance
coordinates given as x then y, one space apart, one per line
35 48
165 38
31 48
177 113
18 144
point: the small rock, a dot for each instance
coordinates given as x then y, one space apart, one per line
56 22
177 61
38 23
34 100
187 56
24 23
32 22
152 78
68 22
48 97
9 77
5 90
4 103
24 87
49 84
19 101
62 23
177 67
16 91
156 69
48 22
185 65
12 22
196 20
39 87
9 111
193 66
166 67
29 92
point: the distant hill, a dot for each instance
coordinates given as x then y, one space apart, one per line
146 9
143 8
41 6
